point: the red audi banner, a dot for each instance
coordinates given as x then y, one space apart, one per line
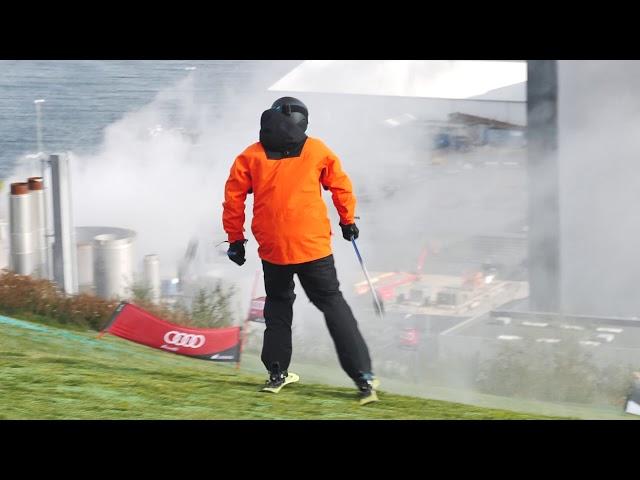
216 344
256 312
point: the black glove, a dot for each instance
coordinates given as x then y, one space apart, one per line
349 231
236 252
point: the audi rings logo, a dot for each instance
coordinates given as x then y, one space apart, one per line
181 339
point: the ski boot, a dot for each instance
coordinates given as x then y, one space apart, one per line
367 384
278 379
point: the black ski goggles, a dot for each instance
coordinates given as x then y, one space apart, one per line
287 109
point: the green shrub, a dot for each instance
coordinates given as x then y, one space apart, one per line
41 300
211 307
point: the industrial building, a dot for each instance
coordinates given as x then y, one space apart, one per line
41 240
517 177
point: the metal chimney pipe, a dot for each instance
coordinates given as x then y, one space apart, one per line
152 276
38 104
543 186
20 212
65 271
36 189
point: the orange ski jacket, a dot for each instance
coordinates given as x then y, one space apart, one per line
290 221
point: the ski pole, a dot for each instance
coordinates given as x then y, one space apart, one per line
366 274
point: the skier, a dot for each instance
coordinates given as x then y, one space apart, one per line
285 171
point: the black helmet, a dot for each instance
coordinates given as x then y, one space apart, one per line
295 109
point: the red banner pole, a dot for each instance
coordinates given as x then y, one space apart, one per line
114 315
246 321
423 256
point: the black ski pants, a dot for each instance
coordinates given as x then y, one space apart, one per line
320 282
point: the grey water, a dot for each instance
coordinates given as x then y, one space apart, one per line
82 97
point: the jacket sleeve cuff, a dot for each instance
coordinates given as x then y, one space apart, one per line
234 237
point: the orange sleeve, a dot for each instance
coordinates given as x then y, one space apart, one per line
335 179
235 192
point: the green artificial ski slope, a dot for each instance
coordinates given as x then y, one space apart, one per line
54 373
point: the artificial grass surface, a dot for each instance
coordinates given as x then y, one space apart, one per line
54 373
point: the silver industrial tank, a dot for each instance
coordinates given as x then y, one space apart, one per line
112 251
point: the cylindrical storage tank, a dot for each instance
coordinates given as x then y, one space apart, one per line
113 263
20 211
36 190
85 267
152 276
